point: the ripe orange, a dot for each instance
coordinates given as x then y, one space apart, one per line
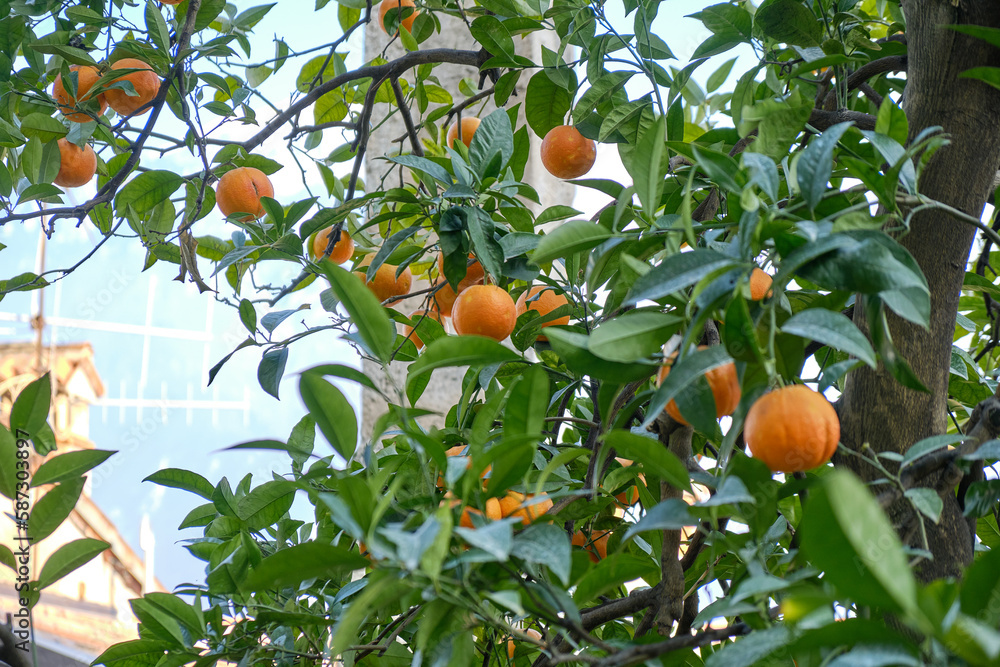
86 77
77 166
492 512
510 642
469 126
792 429
524 507
596 545
474 272
415 316
484 310
240 190
629 496
145 82
760 284
401 5
459 450
443 298
385 285
342 249
547 301
723 382
566 153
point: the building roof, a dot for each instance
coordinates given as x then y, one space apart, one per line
18 360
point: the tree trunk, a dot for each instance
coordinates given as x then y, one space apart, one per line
875 408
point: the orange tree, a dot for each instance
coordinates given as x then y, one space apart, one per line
852 161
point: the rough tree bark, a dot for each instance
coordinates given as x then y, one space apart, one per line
875 408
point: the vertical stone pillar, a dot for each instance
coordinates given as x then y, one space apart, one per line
445 390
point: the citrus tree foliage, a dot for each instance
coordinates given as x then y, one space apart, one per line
806 166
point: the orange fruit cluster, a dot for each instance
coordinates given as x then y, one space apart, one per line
342 249
723 382
760 284
543 300
86 77
484 310
792 429
385 284
469 126
143 80
240 190
77 166
400 5
524 507
534 634
596 544
566 153
415 317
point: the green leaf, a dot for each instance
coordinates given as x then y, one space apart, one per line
678 272
816 164
474 351
651 456
69 465
69 557
178 478
493 35
147 190
494 137
266 504
44 127
135 652
569 238
31 407
374 327
875 656
8 472
156 27
527 404
981 586
988 75
846 534
671 514
927 502
832 329
270 370
646 166
633 336
973 641
481 230
7 557
248 315
748 650
495 538
333 413
778 122
610 573
685 371
600 91
788 21
981 497
546 104
545 544
573 349
51 510
289 567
